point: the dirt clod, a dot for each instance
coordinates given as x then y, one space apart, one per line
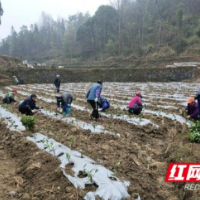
26 197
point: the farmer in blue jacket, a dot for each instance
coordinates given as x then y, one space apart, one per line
28 106
93 98
104 104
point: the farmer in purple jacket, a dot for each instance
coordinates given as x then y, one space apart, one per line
198 100
93 98
192 108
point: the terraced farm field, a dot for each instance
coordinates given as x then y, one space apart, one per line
121 156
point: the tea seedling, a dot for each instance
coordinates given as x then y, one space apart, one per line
116 168
140 118
95 155
48 145
47 128
174 116
89 173
68 156
72 142
28 122
94 124
72 121
117 112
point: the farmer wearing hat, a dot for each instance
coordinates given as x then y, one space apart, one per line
10 97
93 98
135 105
28 106
57 83
191 109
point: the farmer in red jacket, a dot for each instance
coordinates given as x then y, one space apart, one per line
135 105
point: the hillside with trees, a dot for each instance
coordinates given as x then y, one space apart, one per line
128 28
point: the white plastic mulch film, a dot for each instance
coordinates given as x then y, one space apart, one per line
13 121
109 186
87 126
133 120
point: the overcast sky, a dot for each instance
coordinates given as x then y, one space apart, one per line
26 12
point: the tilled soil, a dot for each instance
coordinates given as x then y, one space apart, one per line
7 175
30 173
143 151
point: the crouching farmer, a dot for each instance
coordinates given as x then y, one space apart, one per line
104 104
10 97
28 106
198 100
64 101
191 109
135 105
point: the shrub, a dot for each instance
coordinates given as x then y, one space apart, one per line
165 51
28 122
193 40
194 134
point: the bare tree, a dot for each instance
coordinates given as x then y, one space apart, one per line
1 11
160 9
139 9
118 5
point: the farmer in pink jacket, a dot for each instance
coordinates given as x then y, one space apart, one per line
135 105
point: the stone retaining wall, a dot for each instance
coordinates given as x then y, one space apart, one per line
107 75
